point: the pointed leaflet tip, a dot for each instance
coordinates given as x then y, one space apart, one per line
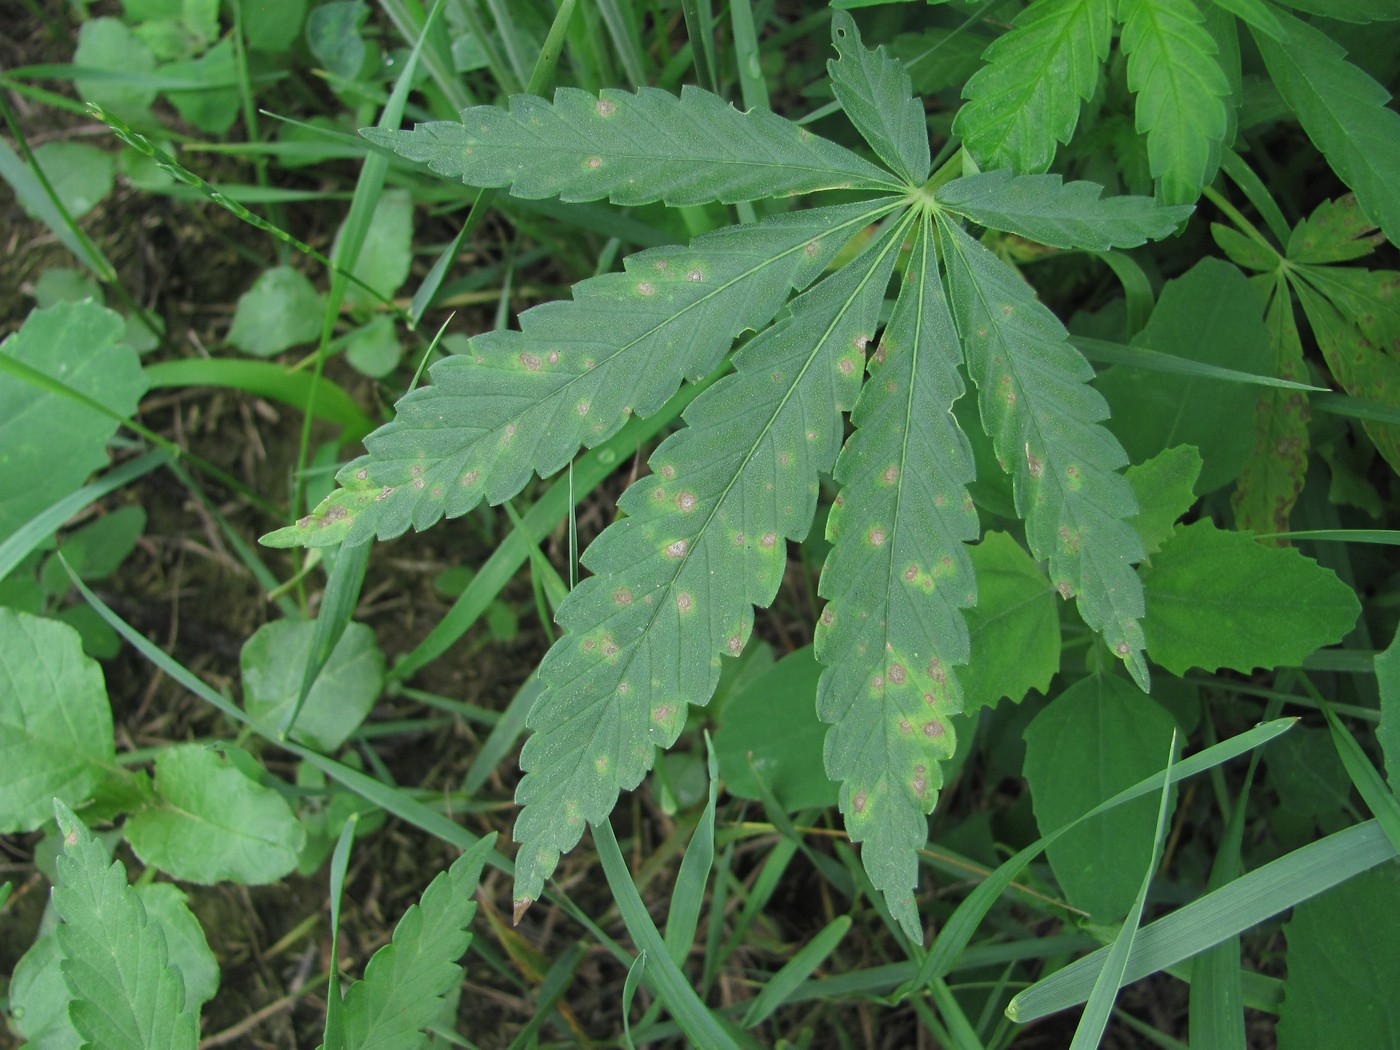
521 907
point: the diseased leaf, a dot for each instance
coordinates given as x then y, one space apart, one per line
1218 599
1046 424
1342 968
675 582
1064 214
1165 487
1345 114
1271 479
214 823
1336 231
874 90
1363 370
406 980
1016 612
633 149
1097 737
1181 92
526 401
55 721
1026 99
126 993
897 581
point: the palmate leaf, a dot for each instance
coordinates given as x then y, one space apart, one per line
526 401
1045 209
1345 114
1026 99
874 90
704 541
1181 92
897 582
633 149
1045 423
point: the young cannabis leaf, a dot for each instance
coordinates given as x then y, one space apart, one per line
673 584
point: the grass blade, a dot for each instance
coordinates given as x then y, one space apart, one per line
796 970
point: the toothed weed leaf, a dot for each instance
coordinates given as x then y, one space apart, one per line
875 92
406 980
126 993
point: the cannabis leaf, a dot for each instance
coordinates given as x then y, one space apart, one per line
1026 99
1046 424
633 149
702 542
1181 92
674 583
897 581
526 401
1344 112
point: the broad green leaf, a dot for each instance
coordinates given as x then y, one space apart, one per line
1043 208
213 823
1165 487
273 27
1152 411
1016 612
704 541
1271 479
896 582
1307 774
374 349
167 907
51 443
60 284
80 175
1026 99
769 729
107 44
1336 231
211 109
1345 114
523 402
407 980
280 311
272 663
1046 424
384 258
333 35
55 721
633 149
39 998
126 993
1363 369
874 90
1218 599
96 550
1388 732
1181 93
1097 737
1343 968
